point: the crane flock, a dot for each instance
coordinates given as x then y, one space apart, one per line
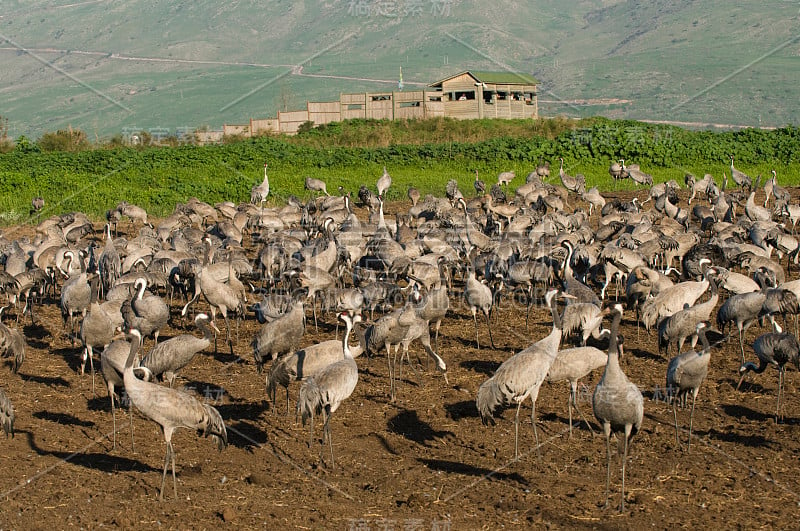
443 257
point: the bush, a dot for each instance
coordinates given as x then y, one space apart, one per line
64 140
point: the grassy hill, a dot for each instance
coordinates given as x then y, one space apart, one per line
107 65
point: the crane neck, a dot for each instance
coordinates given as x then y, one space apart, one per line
345 340
142 285
134 339
556 315
704 340
613 347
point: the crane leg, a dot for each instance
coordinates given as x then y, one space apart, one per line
114 421
489 326
391 372
327 431
91 365
607 432
130 419
164 473
675 416
575 404
778 416
535 433
516 433
741 343
475 320
174 481
691 416
628 428
572 391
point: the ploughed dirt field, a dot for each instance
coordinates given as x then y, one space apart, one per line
423 462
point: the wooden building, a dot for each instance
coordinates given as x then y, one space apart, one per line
467 95
478 94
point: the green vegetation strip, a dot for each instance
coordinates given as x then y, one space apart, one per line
349 154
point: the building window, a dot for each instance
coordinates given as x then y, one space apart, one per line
355 107
385 97
410 104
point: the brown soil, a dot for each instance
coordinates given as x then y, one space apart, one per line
424 461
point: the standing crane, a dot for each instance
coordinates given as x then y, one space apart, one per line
220 296
618 405
505 178
259 192
776 349
479 185
316 185
171 409
571 365
685 374
325 391
170 356
478 296
112 367
146 314
521 376
307 362
280 336
633 172
575 184
97 328
740 178
384 182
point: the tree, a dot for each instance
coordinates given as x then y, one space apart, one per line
64 140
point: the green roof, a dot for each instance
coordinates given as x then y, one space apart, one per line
504 78
496 78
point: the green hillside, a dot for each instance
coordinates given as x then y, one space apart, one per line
107 65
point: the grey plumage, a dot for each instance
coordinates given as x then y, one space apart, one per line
571 365
433 308
281 336
12 345
670 300
776 349
168 357
259 192
112 367
219 295
75 295
97 329
746 308
7 414
505 178
387 332
479 297
109 263
306 362
618 405
316 185
685 373
479 185
384 182
683 324
740 178
171 409
147 314
325 391
575 184
581 321
521 376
